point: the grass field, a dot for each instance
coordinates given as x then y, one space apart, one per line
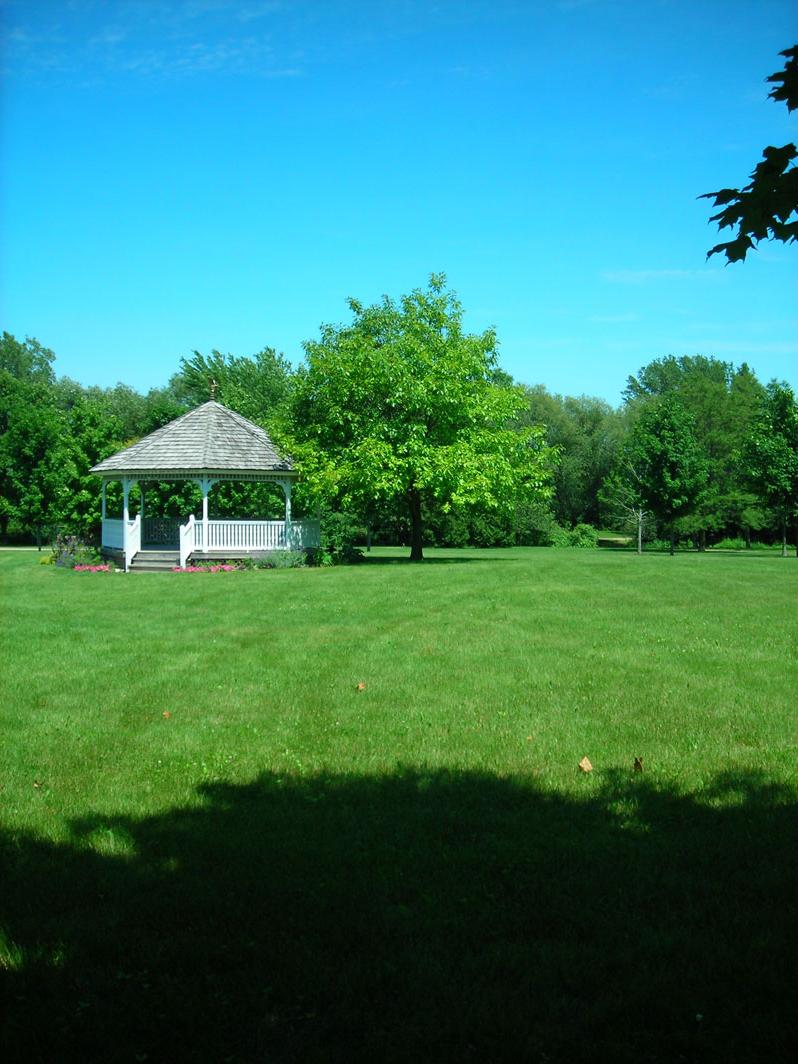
215 847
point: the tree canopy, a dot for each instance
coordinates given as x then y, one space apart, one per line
765 208
770 455
668 462
401 404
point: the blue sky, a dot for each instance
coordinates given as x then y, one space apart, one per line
197 174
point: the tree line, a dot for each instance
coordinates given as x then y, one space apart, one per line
407 430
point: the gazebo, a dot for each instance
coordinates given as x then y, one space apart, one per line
208 444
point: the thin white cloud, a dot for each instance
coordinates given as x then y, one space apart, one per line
171 38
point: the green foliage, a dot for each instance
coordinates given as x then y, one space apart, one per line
668 462
282 559
765 208
402 405
583 535
770 456
36 466
586 433
26 360
256 387
723 402
340 533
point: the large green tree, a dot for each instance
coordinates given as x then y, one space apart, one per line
770 456
403 405
723 401
669 466
35 463
765 208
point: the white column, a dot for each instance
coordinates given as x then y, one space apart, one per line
126 484
205 487
287 490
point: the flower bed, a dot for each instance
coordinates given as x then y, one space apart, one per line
91 568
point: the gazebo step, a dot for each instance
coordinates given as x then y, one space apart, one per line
154 561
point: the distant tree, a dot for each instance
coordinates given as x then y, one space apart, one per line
401 405
770 456
34 461
587 433
26 360
765 208
93 433
667 460
36 468
257 387
723 401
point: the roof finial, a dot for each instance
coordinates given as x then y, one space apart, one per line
214 388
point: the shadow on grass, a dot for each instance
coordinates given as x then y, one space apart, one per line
415 917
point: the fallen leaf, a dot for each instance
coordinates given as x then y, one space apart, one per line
529 738
37 785
361 686
167 714
585 765
638 764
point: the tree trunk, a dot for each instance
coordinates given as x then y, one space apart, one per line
673 542
702 540
640 532
747 538
784 538
4 527
38 537
368 537
416 526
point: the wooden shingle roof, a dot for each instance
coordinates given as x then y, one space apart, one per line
208 439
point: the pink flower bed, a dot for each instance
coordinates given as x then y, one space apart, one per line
205 569
92 569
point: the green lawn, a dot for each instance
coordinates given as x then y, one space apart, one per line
215 847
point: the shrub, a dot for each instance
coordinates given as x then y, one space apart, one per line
282 559
730 543
339 535
580 536
69 551
583 536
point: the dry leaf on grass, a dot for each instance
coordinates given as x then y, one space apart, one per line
585 764
638 764
361 686
167 714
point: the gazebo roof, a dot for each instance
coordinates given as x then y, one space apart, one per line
208 439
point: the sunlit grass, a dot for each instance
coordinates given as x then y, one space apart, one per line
131 701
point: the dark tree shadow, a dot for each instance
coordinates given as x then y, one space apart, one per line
417 917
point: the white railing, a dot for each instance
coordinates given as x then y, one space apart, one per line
132 540
246 536
187 540
113 533
257 535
